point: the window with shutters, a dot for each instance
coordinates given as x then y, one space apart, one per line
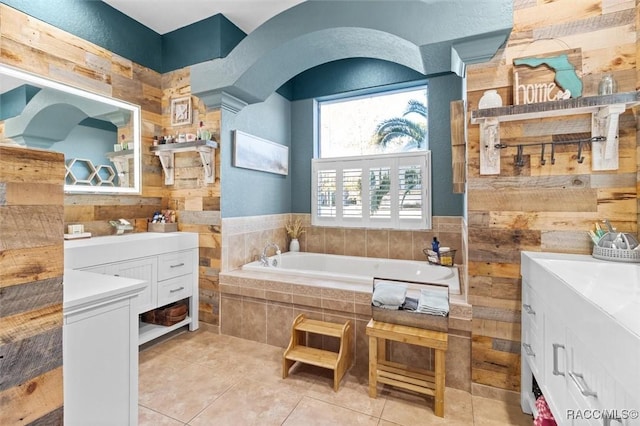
377 191
372 169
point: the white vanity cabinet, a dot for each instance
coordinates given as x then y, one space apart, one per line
585 338
167 262
100 349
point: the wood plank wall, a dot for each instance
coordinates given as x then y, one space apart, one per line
31 269
37 47
543 207
197 203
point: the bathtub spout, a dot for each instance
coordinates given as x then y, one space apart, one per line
264 260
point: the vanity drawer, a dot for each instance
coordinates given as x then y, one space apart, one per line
175 264
532 346
174 289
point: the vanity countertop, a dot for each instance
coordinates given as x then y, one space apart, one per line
82 288
614 287
113 248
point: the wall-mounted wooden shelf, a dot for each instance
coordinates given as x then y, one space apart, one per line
120 160
207 152
605 110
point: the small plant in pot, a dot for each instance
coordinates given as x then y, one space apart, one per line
294 230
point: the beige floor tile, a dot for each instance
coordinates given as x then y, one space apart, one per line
312 412
147 417
209 379
249 403
490 412
181 393
352 394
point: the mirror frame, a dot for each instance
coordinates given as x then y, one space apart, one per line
135 118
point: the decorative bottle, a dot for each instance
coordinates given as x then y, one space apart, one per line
435 245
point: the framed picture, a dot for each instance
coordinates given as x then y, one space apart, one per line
181 111
252 152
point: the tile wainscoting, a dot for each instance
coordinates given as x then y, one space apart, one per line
243 239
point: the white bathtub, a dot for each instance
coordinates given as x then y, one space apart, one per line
359 269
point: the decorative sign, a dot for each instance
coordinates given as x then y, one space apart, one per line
549 77
181 111
252 152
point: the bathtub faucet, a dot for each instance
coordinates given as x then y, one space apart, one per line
264 260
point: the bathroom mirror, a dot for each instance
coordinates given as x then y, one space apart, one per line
99 136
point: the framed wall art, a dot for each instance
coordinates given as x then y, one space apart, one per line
252 152
181 111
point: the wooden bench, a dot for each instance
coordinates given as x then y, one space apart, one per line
297 351
418 380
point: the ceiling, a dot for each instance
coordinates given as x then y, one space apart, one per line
164 16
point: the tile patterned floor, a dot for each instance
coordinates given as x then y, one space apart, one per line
203 378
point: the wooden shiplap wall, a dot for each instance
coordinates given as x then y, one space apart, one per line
34 46
543 207
31 270
197 204
37 47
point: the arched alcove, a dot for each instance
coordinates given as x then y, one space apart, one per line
429 36
51 115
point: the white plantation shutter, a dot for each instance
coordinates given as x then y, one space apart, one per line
380 191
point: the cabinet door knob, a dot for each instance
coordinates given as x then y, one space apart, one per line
528 349
556 372
528 309
578 379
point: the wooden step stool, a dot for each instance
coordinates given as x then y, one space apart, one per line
297 351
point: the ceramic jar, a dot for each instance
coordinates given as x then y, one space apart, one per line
490 99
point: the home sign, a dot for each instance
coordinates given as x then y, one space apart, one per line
548 77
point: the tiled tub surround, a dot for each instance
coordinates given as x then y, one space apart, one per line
244 238
261 307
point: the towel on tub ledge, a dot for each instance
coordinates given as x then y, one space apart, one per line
389 296
410 304
434 302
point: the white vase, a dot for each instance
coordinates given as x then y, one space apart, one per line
294 245
490 99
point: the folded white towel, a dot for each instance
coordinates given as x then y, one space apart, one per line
434 302
388 295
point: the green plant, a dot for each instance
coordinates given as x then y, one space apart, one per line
411 133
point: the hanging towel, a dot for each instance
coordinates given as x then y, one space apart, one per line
389 296
434 302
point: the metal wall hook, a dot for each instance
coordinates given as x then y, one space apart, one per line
519 157
580 157
542 160
553 154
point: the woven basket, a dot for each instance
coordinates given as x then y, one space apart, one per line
166 315
446 258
